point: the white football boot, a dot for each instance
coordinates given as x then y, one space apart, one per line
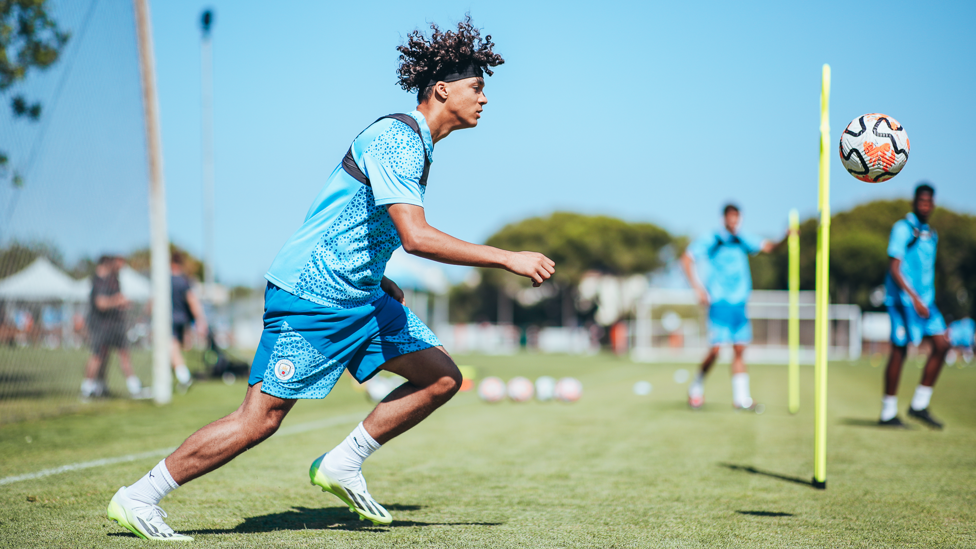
142 519
359 501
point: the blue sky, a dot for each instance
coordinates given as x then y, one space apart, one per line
648 111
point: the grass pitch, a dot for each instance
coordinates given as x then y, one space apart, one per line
613 470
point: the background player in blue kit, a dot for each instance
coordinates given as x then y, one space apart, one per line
328 307
962 334
910 298
724 284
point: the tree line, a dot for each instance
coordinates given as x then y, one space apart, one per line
858 263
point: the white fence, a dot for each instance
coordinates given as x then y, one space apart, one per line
671 326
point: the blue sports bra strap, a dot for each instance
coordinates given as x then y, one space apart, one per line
349 162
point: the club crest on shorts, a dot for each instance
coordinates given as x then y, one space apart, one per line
284 369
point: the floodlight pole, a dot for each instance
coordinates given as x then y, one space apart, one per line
162 314
206 65
823 293
794 325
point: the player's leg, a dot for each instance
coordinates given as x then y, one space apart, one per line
432 379
183 377
741 395
899 350
740 328
136 507
90 384
919 407
132 381
933 366
696 390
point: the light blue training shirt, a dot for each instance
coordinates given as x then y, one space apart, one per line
722 259
338 256
915 244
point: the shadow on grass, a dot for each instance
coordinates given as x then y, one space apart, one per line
765 513
754 471
873 423
328 518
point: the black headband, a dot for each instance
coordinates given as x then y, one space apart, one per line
460 73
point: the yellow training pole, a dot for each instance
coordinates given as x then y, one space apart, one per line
794 326
823 291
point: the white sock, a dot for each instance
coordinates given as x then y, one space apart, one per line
88 387
889 407
134 385
345 461
182 374
154 486
697 387
740 390
922 397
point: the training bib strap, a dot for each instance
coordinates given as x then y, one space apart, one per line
349 162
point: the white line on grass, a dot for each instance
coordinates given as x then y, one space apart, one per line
285 431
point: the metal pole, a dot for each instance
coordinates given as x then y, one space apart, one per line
162 315
794 322
823 293
206 56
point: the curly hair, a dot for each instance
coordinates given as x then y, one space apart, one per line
422 61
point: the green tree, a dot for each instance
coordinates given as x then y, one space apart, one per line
859 256
580 243
16 256
577 243
29 40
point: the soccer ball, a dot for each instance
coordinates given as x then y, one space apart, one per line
874 147
545 388
491 389
569 389
520 389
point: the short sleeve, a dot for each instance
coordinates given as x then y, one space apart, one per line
394 164
699 248
752 243
901 234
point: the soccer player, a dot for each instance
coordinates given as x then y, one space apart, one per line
107 330
186 309
724 258
328 307
910 298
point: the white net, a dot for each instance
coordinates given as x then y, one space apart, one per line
73 188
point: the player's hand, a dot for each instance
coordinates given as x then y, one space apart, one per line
531 265
703 297
202 328
392 290
920 308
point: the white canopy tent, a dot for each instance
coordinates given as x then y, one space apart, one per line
42 281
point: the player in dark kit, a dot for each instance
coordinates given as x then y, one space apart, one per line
910 297
328 307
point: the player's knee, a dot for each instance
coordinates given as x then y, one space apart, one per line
265 427
940 345
448 384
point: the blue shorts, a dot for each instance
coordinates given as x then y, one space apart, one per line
305 346
907 326
728 323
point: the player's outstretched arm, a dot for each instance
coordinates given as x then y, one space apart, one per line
419 238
